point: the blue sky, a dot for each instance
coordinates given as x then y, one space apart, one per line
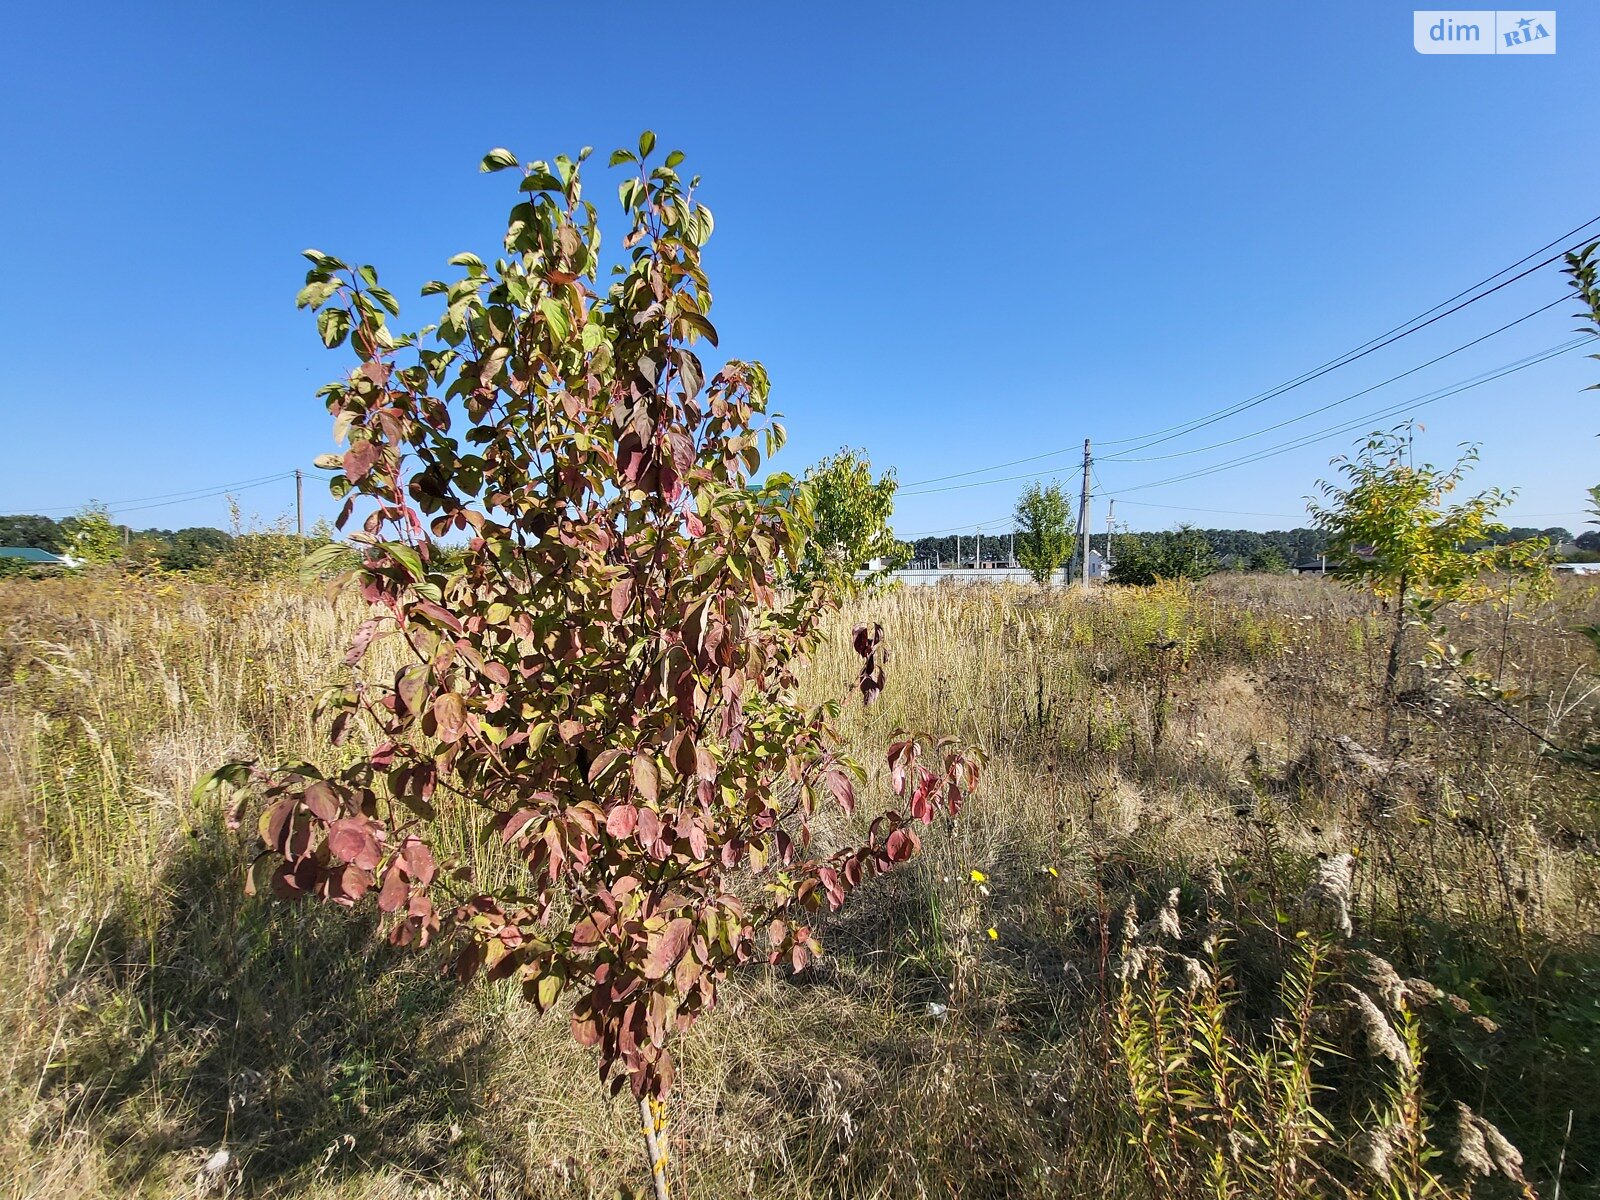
958 235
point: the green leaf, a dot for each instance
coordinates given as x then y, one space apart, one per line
698 323
555 316
313 295
549 989
676 157
647 143
406 557
334 326
235 774
467 259
594 335
386 298
497 159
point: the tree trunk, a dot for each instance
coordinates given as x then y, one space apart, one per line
1391 673
653 1120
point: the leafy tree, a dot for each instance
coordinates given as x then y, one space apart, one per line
194 548
1390 530
41 533
850 514
94 540
1268 559
1044 532
603 688
1141 559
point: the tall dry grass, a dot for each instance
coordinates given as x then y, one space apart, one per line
965 1036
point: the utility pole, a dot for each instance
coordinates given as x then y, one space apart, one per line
958 552
299 502
1083 518
1111 510
977 555
1011 548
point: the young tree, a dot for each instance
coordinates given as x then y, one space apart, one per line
603 686
1044 530
1390 530
93 539
1143 558
850 516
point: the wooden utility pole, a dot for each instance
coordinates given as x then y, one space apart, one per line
1083 519
299 502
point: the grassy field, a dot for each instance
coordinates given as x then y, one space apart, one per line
1119 1007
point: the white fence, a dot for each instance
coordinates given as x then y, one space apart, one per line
965 575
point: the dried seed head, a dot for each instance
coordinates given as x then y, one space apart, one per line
1371 1148
1195 977
1135 960
1165 923
1471 1151
1385 979
1483 1148
1420 993
1506 1156
1329 892
1130 922
1382 1040
1214 883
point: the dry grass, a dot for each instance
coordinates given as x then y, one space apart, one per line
1138 741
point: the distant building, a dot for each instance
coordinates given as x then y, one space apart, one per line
1577 568
36 558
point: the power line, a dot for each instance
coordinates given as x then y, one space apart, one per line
1245 437
122 510
1387 338
215 489
1226 512
1425 398
1357 422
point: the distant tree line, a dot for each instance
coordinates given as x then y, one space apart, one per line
93 538
1229 549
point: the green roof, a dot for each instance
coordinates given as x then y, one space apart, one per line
30 554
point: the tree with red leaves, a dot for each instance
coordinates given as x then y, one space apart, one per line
606 678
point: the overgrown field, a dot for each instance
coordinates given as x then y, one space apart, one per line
1139 965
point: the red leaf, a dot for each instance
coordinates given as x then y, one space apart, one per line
621 596
666 949
360 459
394 892
451 719
351 841
901 845
621 820
649 827
419 861
275 824
323 802
364 634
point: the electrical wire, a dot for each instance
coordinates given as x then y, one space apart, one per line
1245 437
1358 422
198 493
1387 338
1415 401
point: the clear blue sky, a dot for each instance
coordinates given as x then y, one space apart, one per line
957 234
